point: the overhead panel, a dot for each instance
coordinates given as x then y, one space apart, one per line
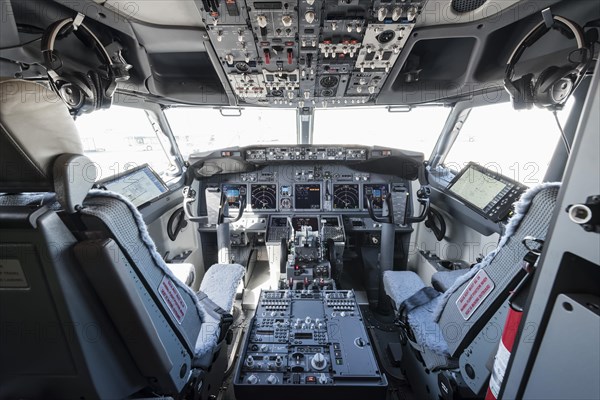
308 53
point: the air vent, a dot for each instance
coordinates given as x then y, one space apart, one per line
465 6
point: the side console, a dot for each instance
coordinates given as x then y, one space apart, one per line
304 344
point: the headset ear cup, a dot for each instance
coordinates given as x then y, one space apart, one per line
92 95
102 101
74 91
521 92
554 86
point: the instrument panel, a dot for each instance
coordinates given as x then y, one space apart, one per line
346 198
306 180
289 192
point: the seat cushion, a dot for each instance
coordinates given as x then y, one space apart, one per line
220 284
443 280
400 285
427 332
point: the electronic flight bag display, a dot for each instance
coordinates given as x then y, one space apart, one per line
485 191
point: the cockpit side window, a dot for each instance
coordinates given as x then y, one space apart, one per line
121 138
516 144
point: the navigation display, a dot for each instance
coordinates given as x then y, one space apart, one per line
345 197
479 187
308 197
140 185
378 193
263 197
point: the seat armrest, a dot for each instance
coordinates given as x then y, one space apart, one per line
443 280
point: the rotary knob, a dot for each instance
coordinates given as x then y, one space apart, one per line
318 361
262 21
252 379
249 361
272 379
323 379
286 20
411 14
309 16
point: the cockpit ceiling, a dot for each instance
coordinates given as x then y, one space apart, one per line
159 12
303 53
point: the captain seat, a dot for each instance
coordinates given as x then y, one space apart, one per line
432 321
88 307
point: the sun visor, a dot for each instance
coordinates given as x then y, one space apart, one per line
403 164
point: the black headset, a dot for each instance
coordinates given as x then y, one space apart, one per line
82 92
553 86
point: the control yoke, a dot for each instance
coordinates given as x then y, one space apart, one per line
224 217
390 217
423 195
189 198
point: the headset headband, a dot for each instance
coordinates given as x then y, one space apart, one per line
49 40
536 33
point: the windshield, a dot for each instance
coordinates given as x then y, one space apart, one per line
417 130
205 129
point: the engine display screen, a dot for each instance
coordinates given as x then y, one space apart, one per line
479 187
308 197
378 193
140 185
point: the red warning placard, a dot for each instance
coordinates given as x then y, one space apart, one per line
474 294
175 303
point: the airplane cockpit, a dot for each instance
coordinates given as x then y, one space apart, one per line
328 199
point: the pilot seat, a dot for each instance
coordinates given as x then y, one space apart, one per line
435 327
88 307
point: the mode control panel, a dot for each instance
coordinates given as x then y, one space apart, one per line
313 343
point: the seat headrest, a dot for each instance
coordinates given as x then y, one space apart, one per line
35 129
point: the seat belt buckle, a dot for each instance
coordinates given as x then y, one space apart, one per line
226 321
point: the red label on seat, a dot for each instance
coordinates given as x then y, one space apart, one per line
474 294
172 298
